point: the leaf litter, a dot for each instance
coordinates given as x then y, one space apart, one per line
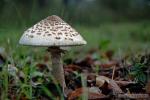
106 78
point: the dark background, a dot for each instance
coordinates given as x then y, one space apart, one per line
93 12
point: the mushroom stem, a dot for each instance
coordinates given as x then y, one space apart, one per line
57 66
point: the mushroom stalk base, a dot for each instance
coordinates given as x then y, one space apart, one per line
57 66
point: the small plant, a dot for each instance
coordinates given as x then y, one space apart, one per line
104 44
140 69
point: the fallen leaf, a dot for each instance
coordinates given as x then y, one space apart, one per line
100 80
41 66
109 64
72 68
124 83
134 96
86 62
92 93
109 54
114 86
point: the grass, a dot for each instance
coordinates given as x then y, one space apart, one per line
120 35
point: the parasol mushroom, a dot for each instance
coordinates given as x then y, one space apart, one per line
54 33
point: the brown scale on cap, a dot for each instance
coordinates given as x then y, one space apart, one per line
56 23
53 33
31 36
76 34
57 38
71 39
44 27
60 27
46 32
48 27
71 31
73 35
49 34
66 33
28 30
68 27
38 33
51 23
32 31
54 30
59 33
63 30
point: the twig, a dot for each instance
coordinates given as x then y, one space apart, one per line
114 68
133 96
124 83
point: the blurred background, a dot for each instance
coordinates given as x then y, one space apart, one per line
121 25
88 12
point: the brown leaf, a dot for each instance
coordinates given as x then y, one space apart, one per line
109 54
107 84
41 66
134 96
72 68
108 65
75 94
100 80
124 83
46 58
86 62
113 85
95 96
92 95
23 97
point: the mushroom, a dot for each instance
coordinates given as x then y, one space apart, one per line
54 33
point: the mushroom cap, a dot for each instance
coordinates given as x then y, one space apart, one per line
52 31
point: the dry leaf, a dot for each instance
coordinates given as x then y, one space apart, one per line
72 68
93 93
100 80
